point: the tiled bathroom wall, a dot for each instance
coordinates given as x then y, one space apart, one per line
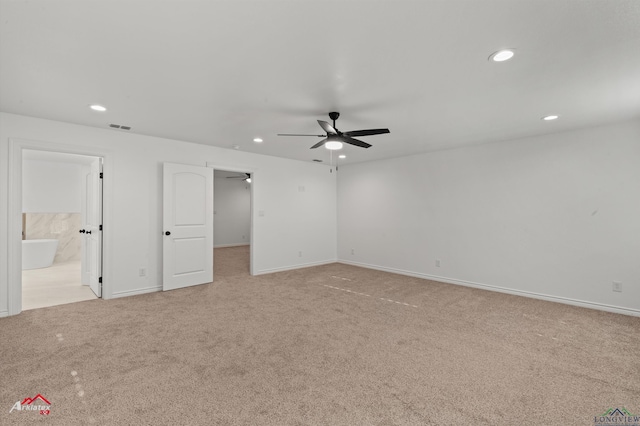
63 227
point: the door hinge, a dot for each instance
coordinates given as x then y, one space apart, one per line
100 228
100 280
101 175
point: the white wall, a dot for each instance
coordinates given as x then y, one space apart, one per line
232 207
51 187
557 215
292 221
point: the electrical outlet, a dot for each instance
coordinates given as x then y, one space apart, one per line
617 286
142 272
353 251
438 263
299 254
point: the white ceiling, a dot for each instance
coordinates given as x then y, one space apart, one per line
224 72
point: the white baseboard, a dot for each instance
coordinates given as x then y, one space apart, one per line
135 292
230 245
4 314
557 299
299 266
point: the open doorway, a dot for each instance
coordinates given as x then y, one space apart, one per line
61 228
232 223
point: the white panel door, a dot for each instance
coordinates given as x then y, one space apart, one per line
188 226
93 228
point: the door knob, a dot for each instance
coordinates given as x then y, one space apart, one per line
88 232
82 231
167 233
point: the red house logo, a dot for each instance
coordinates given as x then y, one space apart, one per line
30 401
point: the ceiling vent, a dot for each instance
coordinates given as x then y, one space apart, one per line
119 126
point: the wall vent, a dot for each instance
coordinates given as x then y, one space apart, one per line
317 161
120 126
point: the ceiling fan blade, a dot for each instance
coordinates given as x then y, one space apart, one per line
297 134
246 176
319 144
356 142
368 132
327 127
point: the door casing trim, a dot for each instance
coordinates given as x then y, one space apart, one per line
14 222
255 173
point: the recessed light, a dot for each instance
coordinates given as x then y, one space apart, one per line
342 156
333 145
236 147
550 117
501 55
98 108
258 140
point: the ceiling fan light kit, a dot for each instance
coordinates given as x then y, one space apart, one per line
333 145
334 138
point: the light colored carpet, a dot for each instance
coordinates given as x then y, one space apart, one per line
328 345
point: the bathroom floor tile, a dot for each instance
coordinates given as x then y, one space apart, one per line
55 285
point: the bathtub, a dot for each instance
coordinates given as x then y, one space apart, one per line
38 253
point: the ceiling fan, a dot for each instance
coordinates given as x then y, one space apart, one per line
244 176
333 138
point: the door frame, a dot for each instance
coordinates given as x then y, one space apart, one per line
254 178
14 243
